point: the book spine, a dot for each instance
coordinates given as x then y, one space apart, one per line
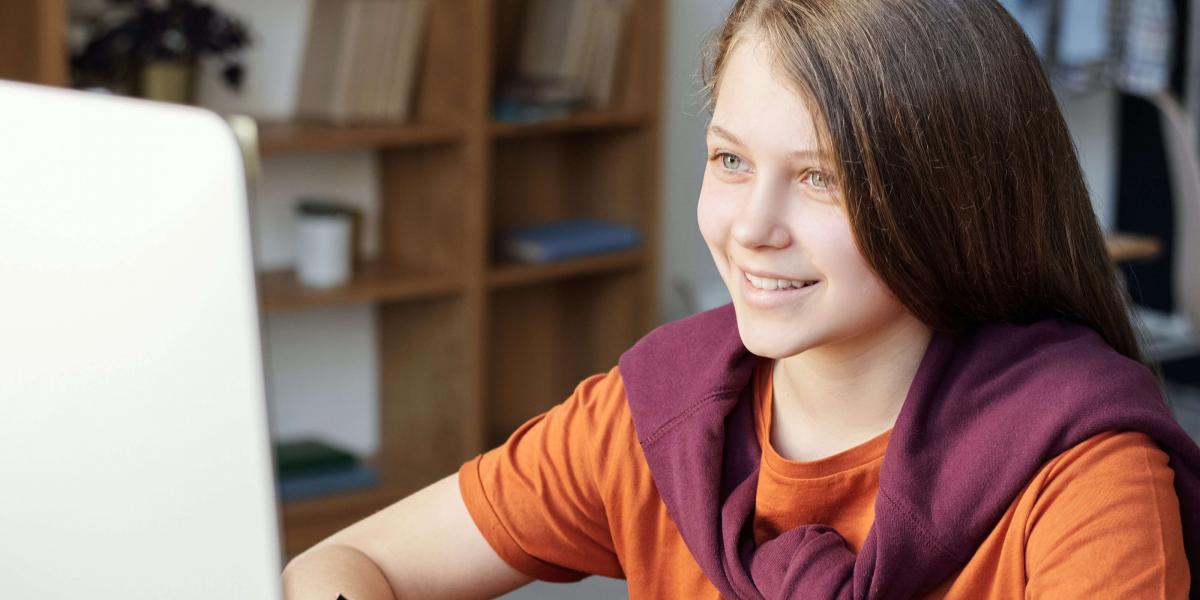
578 244
341 108
409 62
315 94
309 485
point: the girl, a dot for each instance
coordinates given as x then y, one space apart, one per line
926 385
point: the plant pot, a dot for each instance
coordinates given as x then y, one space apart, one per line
168 81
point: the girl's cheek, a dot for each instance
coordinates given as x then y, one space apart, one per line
714 214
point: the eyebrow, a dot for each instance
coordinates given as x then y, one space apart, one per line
719 131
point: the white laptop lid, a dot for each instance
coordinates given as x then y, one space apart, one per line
135 459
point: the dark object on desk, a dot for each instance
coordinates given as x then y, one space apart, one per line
567 239
309 455
310 467
314 483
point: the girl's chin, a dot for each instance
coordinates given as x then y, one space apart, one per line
769 344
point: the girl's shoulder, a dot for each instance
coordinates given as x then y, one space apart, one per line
1106 505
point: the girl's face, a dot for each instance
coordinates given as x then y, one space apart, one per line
772 215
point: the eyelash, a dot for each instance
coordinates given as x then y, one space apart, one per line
720 156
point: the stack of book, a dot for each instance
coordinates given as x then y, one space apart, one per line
310 467
361 60
562 240
568 57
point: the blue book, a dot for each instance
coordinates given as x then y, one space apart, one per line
568 239
321 482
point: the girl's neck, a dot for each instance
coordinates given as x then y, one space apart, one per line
832 398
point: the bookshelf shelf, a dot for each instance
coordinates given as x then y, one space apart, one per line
296 137
455 330
589 121
511 275
373 281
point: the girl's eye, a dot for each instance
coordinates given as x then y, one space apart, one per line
730 162
819 180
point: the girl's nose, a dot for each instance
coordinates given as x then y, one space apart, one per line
759 220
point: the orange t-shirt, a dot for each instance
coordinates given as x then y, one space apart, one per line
570 493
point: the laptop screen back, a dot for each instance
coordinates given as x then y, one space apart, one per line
136 460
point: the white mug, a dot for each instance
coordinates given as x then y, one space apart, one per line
323 252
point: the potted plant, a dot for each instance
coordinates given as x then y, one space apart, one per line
151 47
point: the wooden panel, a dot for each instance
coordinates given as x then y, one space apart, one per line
33 41
372 281
509 275
579 122
1126 247
545 178
547 338
426 413
423 202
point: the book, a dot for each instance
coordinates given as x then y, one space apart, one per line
567 239
568 57
412 41
362 63
527 100
328 26
601 82
310 484
360 60
374 58
309 454
390 44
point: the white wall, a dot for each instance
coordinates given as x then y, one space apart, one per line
1092 118
686 262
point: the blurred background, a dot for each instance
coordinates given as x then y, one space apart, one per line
464 207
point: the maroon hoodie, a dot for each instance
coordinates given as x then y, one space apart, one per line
986 410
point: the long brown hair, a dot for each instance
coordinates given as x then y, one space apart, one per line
959 175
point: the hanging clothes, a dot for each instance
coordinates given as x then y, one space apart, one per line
1095 44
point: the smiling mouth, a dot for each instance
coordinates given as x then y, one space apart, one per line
780 285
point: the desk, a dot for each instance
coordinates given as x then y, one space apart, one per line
1127 246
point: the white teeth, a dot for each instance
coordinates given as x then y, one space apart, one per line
763 283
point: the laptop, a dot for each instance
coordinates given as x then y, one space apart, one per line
133 422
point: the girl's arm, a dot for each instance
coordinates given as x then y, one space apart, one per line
424 546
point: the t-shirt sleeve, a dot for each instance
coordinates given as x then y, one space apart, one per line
537 499
1106 524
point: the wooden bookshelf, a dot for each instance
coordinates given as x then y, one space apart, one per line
469 346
